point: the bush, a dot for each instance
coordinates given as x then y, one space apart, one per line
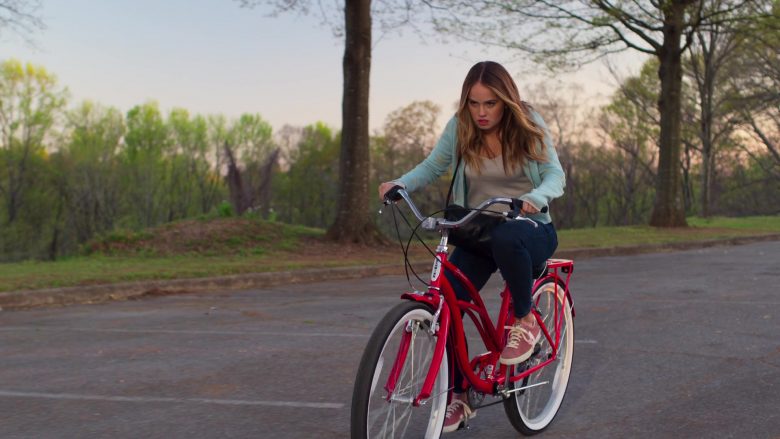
225 210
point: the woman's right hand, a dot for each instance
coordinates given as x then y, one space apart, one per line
384 187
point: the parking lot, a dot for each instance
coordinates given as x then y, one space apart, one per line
683 344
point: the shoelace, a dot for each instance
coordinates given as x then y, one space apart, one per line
517 333
454 406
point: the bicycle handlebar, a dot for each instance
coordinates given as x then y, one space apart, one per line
396 193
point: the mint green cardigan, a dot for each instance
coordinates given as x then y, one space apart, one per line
547 177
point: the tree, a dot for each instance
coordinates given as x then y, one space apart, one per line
90 169
572 33
30 102
20 16
194 185
251 158
354 221
307 193
758 87
630 122
710 65
146 143
562 107
408 135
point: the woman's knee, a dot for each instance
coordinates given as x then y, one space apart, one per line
508 238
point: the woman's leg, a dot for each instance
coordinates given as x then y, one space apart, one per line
478 269
517 247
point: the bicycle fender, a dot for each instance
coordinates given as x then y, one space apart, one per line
429 299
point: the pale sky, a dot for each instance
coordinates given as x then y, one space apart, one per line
214 57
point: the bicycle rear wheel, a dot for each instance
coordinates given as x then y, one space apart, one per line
531 410
373 416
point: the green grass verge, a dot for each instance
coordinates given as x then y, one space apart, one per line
102 269
699 229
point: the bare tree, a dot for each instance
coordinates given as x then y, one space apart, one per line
20 17
758 87
710 64
562 109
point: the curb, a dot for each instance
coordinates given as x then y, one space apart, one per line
136 290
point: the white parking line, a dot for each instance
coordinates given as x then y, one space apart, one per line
146 399
200 332
179 331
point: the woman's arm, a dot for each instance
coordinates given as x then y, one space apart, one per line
437 162
550 171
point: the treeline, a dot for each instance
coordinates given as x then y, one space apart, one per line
70 173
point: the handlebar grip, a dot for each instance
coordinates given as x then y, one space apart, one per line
517 207
392 194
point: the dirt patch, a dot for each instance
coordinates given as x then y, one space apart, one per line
283 244
208 237
159 292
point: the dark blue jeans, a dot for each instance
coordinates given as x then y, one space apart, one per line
518 247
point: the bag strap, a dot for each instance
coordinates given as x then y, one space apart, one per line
452 182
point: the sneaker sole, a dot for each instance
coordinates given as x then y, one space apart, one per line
461 425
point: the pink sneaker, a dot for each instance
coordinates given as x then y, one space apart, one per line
520 342
458 415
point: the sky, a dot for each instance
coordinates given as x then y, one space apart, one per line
214 57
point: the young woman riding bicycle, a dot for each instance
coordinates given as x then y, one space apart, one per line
497 146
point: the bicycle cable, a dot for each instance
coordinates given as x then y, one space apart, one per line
405 249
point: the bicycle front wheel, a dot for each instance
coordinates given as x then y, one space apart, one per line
403 334
532 409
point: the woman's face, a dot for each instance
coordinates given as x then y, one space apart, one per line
485 107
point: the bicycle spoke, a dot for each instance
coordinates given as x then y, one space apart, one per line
393 415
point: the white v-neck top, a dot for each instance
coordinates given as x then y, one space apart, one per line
493 182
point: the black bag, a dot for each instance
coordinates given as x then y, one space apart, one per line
474 236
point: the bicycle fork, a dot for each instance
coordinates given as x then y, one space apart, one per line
441 328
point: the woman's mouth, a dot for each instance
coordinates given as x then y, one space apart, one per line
482 122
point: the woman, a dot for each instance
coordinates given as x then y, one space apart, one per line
505 150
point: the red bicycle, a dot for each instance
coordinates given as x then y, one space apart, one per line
404 383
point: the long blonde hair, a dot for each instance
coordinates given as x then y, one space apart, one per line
521 138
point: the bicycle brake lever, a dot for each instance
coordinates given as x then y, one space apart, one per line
429 224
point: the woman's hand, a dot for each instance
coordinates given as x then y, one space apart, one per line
528 208
384 187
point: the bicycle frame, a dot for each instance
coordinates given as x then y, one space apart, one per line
449 326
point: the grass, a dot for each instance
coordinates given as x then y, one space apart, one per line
292 248
699 229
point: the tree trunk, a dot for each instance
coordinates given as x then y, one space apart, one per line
353 223
668 210
706 97
239 198
706 179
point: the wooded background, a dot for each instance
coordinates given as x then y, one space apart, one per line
694 132
72 171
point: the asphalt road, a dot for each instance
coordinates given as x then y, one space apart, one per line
683 344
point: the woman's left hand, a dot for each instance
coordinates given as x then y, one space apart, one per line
529 208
